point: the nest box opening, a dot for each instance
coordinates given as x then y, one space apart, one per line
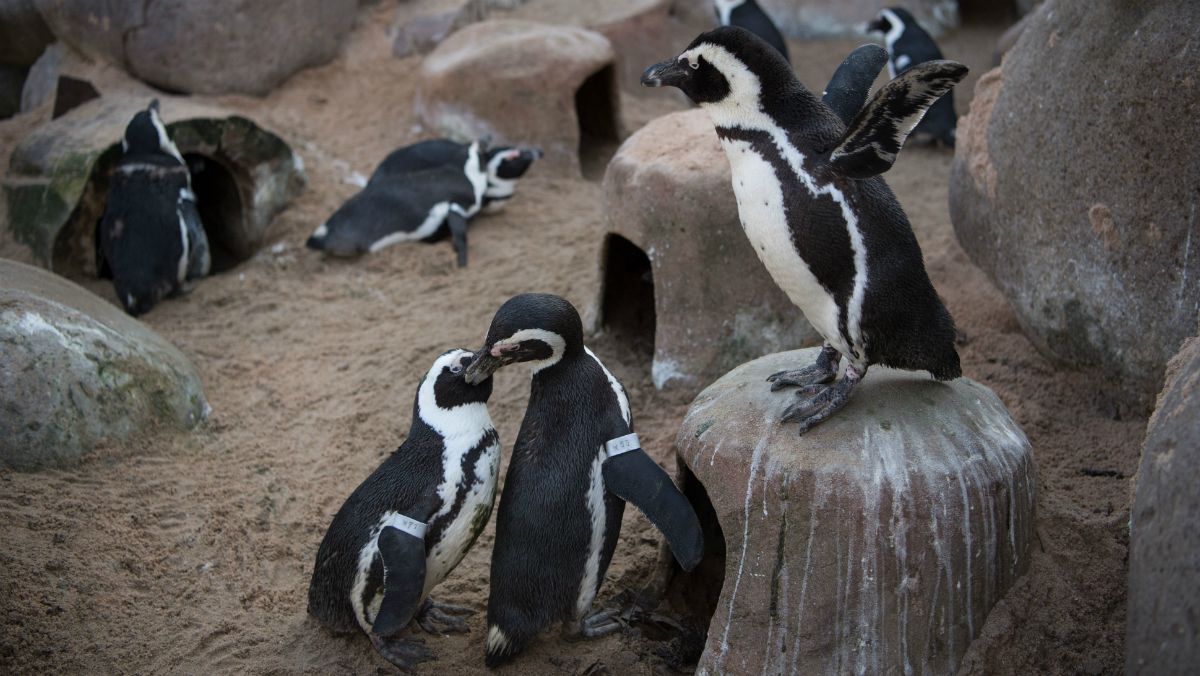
599 132
217 198
627 303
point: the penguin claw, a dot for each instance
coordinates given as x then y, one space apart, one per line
824 370
600 623
443 618
817 407
404 653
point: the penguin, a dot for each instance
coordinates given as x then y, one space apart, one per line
150 240
747 14
426 205
505 165
908 45
412 520
575 463
850 85
826 226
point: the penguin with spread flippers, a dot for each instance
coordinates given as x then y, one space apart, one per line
575 463
825 225
150 240
909 45
412 520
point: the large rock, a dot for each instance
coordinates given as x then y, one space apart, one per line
523 83
1076 183
668 193
23 33
58 177
877 542
1164 544
211 47
78 373
421 26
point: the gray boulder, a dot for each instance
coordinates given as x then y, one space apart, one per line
213 47
79 374
876 543
58 177
1164 545
668 193
23 33
1074 185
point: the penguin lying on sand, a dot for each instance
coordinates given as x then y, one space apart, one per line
828 229
414 518
747 14
150 240
425 206
908 45
505 165
575 463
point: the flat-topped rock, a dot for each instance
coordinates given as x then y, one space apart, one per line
77 372
667 192
877 542
523 83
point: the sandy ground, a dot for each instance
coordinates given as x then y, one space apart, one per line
193 554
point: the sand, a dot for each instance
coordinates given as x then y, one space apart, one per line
192 554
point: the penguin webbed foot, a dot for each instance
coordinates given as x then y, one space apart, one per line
405 653
443 618
600 623
818 402
824 370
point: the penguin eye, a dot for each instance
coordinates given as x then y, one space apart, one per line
694 64
456 369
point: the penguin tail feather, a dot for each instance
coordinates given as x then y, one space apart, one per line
502 646
315 243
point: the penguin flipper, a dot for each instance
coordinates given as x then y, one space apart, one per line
403 557
199 261
635 478
851 82
458 235
877 133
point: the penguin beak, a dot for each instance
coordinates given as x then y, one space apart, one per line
666 74
487 361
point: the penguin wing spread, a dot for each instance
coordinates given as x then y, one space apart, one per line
851 82
877 133
403 557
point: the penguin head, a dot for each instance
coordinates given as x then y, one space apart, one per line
891 21
505 165
728 65
447 386
146 135
139 289
540 328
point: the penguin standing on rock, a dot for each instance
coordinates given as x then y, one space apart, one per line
150 240
909 45
421 206
505 165
575 463
414 518
747 14
827 227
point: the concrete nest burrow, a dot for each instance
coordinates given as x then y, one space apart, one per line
627 297
597 109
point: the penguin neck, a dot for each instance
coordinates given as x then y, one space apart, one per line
551 373
469 419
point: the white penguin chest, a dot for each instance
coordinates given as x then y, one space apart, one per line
760 199
470 514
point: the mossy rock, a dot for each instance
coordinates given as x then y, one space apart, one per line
58 178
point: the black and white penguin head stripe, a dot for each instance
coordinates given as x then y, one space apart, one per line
538 328
505 165
146 135
729 67
724 9
446 401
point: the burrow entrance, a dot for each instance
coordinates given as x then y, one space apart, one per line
627 303
217 197
599 132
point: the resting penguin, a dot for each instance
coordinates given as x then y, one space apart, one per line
420 206
575 463
505 165
909 45
414 518
828 229
150 240
747 14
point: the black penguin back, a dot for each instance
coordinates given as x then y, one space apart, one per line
429 154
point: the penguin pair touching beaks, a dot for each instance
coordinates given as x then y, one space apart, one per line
425 192
908 45
575 463
150 240
830 232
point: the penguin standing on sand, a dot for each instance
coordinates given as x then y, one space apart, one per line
414 518
575 463
421 206
505 165
908 45
747 14
150 240
827 227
